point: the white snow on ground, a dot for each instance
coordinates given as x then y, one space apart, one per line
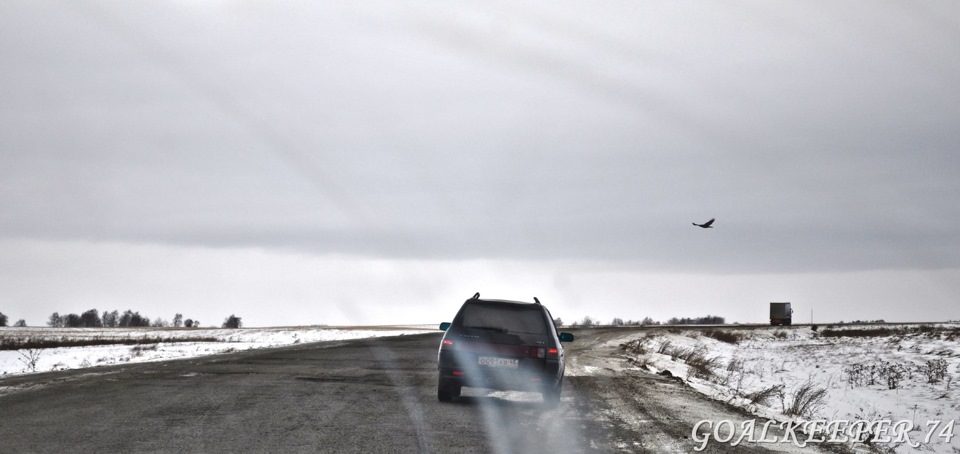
157 344
780 360
783 360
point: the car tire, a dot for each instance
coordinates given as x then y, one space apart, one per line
551 397
447 390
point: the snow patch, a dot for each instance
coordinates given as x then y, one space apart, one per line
159 344
767 369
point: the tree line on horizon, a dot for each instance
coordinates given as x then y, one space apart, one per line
588 321
128 319
18 324
114 319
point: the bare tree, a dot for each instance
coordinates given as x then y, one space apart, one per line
111 319
55 320
177 320
232 322
20 323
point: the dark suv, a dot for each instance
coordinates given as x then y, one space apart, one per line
504 345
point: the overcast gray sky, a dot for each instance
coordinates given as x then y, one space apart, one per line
377 162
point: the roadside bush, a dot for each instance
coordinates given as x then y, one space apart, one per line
639 346
39 344
859 374
893 374
29 357
928 331
934 370
730 337
138 350
866 332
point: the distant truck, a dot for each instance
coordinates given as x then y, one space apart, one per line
781 314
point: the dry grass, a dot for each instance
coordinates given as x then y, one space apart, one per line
730 337
763 396
859 332
701 365
807 400
39 344
929 331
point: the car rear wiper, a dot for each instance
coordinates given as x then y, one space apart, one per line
488 328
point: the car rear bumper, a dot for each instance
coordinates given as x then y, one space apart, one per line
500 381
465 371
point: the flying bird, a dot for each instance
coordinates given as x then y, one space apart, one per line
706 225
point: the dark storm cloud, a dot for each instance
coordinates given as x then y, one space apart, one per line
821 137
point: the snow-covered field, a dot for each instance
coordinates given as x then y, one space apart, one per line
93 347
894 373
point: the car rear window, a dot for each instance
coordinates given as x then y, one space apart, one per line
510 317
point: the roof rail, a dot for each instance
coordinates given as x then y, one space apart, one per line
476 296
537 301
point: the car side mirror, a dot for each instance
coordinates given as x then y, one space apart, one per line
566 337
445 326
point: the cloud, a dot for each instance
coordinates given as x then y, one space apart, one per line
820 139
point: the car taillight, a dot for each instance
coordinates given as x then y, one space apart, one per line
447 342
458 373
535 352
552 351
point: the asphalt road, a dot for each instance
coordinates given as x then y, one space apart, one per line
375 395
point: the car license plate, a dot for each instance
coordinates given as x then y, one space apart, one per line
509 363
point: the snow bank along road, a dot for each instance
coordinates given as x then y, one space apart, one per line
370 395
